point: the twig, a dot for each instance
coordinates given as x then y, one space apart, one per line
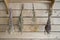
33 19
48 25
20 22
11 27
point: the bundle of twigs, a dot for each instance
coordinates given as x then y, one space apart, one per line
34 28
11 27
20 22
48 25
33 18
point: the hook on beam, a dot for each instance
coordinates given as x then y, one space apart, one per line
6 2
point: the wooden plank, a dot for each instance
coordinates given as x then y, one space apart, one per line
37 5
29 13
30 35
28 5
29 20
29 1
30 28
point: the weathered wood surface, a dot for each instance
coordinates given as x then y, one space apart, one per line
43 14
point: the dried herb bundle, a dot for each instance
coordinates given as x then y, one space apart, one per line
33 18
20 22
48 25
11 27
34 28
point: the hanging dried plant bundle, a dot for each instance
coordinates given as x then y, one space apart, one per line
34 28
33 18
20 22
11 27
48 25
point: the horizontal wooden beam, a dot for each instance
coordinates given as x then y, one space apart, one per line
29 1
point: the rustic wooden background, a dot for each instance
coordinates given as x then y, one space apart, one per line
41 11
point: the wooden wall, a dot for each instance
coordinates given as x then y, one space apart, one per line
41 15
41 18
